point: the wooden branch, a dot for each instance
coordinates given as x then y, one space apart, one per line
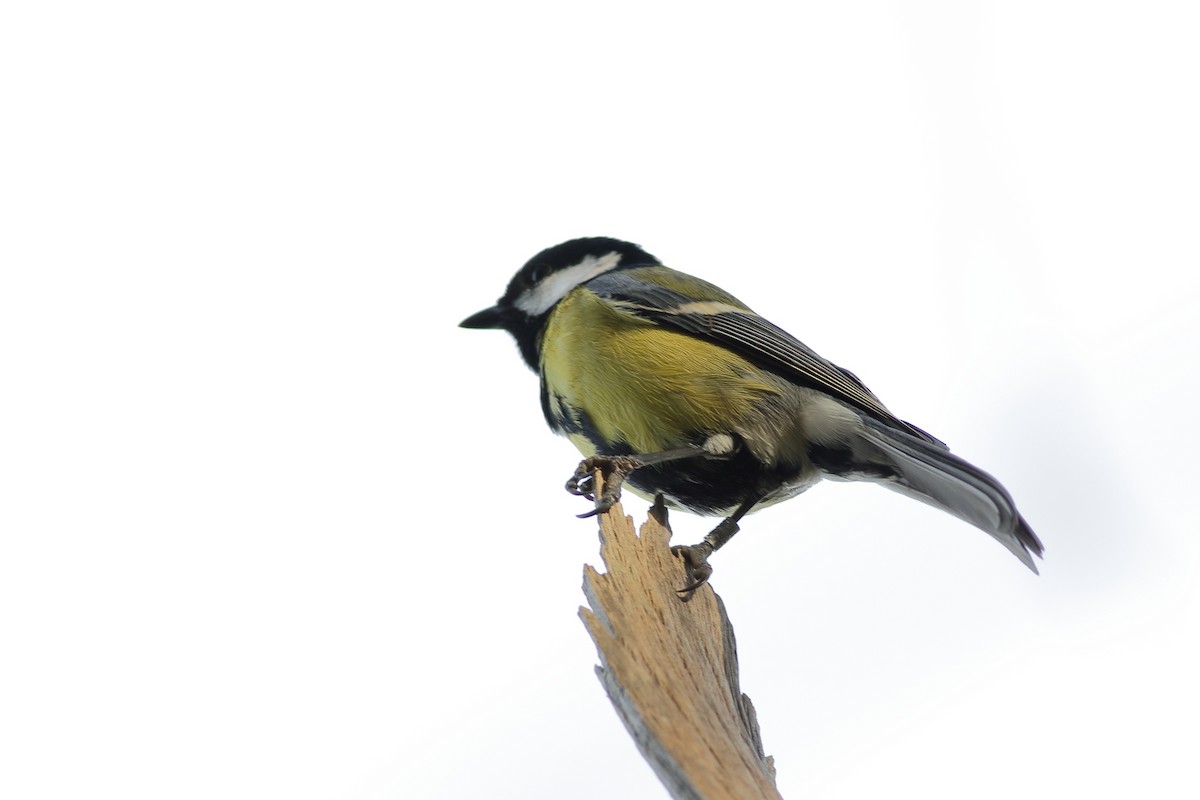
670 667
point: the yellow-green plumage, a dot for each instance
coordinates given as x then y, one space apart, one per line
596 357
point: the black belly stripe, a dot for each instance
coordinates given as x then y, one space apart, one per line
712 485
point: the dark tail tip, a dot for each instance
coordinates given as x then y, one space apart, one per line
1028 538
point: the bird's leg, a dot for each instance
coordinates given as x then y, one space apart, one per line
695 556
615 469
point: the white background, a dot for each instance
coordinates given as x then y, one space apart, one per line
273 526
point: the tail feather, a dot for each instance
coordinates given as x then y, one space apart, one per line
937 477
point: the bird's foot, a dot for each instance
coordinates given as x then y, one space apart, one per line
613 470
695 561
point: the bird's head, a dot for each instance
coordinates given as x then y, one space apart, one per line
546 279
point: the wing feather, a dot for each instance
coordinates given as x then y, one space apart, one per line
725 321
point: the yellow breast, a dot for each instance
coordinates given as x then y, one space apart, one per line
633 381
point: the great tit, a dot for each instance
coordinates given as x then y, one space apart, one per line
672 385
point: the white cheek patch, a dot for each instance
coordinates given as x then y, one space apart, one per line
542 297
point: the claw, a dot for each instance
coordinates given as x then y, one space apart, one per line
695 561
613 469
581 483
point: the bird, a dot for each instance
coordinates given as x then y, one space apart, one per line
673 387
